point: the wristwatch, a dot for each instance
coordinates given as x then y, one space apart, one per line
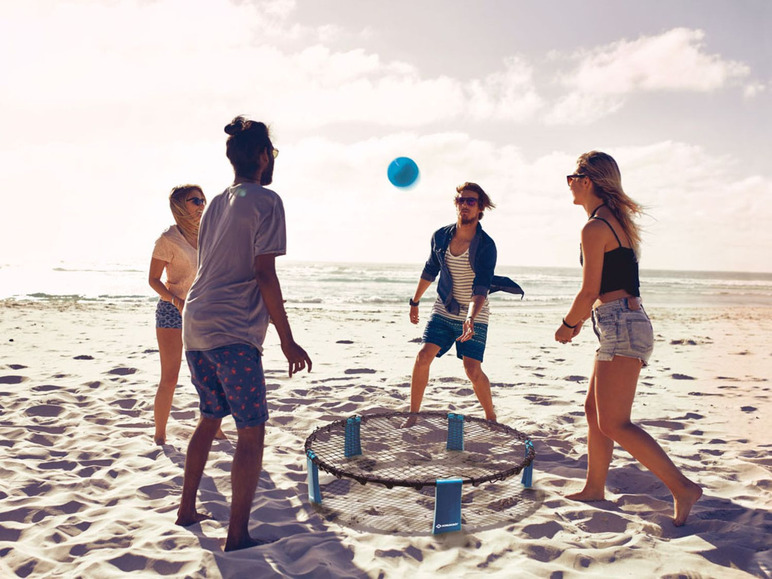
413 304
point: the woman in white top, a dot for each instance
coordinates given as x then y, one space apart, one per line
176 252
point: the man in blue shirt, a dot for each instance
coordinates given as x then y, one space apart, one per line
465 257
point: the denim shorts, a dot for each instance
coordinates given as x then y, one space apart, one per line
167 316
622 331
443 332
230 380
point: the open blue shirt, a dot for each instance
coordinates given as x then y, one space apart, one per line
482 259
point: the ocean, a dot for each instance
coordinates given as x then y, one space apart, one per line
376 286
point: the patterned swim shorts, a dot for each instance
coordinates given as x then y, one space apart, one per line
230 380
167 316
444 332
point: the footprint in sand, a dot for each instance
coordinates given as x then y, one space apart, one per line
543 530
45 410
604 523
12 379
122 371
359 371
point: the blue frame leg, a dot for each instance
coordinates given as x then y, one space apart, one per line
314 494
447 506
455 432
352 443
528 471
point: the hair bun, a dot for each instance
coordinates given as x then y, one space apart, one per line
236 126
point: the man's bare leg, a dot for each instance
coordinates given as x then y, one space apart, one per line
245 472
481 385
420 378
195 461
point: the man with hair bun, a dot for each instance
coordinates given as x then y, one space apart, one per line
234 295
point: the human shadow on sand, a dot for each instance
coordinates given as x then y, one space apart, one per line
294 545
739 535
406 511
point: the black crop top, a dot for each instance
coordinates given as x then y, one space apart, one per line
620 268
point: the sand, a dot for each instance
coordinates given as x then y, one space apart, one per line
85 492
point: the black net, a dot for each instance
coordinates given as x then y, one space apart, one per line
398 453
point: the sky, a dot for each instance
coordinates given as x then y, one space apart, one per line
106 105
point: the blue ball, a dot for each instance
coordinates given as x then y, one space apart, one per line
402 172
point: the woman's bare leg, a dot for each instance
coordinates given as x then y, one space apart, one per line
615 385
170 349
599 451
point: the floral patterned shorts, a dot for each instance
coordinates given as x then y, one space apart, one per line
230 380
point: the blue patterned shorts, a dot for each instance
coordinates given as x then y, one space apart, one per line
167 316
230 380
622 331
443 332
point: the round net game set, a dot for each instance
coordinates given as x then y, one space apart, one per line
418 450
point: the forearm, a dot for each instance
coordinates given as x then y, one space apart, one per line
161 289
475 306
270 290
423 285
580 308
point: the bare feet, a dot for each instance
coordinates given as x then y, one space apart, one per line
220 435
188 519
683 503
160 440
587 496
246 543
410 422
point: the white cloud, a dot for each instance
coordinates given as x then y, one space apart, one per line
507 95
172 57
674 60
754 89
600 79
581 108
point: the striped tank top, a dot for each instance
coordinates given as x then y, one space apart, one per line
463 279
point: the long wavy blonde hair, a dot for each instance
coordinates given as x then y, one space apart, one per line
187 223
606 178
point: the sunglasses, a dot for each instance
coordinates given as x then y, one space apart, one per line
471 201
197 201
570 178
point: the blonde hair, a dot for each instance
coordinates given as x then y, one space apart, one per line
187 223
606 178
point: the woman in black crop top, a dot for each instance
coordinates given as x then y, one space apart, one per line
610 295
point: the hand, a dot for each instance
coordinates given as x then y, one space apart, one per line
413 314
577 329
178 303
297 358
468 331
564 334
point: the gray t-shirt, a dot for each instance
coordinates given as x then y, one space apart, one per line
224 305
